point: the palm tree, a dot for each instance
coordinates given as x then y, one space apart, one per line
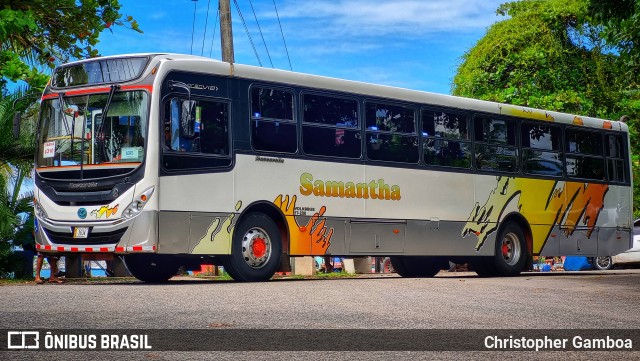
21 150
16 164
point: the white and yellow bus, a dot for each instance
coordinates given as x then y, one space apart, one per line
169 159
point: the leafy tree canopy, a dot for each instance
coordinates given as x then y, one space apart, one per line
620 21
544 56
576 56
37 33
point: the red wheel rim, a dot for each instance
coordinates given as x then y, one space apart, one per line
259 247
505 250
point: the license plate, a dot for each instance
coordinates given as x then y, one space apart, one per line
81 232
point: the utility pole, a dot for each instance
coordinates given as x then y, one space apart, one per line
226 34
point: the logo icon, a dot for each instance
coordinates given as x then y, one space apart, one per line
23 340
82 213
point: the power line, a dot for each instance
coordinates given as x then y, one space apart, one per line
281 32
193 29
215 27
261 35
246 29
206 21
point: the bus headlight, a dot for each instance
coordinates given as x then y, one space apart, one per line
39 211
138 204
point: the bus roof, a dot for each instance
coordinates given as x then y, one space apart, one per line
207 65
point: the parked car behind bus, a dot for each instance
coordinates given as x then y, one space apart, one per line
632 256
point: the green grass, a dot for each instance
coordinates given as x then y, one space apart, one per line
223 276
318 275
15 281
334 275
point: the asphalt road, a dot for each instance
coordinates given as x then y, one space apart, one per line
558 300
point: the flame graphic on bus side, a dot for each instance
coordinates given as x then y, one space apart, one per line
217 239
544 204
312 239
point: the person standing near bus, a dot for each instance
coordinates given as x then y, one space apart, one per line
53 269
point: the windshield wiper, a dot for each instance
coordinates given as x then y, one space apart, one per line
103 117
62 116
112 91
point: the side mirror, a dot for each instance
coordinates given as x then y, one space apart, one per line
187 121
16 124
178 84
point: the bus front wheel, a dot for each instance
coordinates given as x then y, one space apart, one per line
256 249
153 268
417 266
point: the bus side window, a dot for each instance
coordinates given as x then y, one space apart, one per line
495 144
391 133
616 153
446 139
585 158
273 128
330 126
214 128
205 144
541 149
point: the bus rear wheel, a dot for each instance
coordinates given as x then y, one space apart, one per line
417 266
256 249
153 268
511 250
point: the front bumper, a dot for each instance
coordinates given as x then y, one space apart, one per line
122 236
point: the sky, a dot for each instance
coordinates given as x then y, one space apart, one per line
415 44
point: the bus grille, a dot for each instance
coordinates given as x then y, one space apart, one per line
93 239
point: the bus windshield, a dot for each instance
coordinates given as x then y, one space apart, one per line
74 134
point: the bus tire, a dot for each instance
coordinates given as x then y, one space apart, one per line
417 266
511 250
152 268
255 250
484 266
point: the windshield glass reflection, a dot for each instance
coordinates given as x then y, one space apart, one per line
75 134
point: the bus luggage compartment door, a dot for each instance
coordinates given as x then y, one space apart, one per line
377 237
580 242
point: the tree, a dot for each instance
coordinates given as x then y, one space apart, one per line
552 55
35 35
17 151
40 33
620 24
544 56
16 158
16 211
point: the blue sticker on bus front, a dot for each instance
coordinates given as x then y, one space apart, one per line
82 213
35 224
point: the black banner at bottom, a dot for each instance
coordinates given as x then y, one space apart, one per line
321 340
